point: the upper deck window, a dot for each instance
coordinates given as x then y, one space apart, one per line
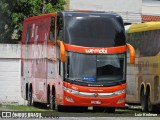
94 31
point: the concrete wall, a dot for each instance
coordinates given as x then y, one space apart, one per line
10 74
130 10
10 51
151 7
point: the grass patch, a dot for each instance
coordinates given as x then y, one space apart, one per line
24 108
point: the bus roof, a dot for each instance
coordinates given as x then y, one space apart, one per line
74 13
86 13
143 27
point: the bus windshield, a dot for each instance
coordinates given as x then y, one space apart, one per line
100 69
89 31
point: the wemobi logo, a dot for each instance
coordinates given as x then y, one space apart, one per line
103 50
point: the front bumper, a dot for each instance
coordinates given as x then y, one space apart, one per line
94 99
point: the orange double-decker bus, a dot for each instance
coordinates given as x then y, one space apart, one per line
75 59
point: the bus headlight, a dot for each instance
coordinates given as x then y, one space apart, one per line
69 99
86 94
120 92
70 90
121 100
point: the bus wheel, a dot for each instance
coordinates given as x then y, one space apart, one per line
53 101
151 108
59 108
54 104
110 109
144 103
30 100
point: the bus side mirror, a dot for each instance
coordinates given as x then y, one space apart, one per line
132 53
62 51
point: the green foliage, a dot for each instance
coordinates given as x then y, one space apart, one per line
49 7
13 13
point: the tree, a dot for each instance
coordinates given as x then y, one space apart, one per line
13 13
5 24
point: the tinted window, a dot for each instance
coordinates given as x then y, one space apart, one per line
51 37
145 42
28 34
94 31
59 28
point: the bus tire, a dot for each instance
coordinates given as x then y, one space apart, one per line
151 108
54 105
53 101
30 100
144 103
48 97
59 108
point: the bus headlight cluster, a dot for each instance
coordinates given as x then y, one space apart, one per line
70 90
86 94
119 92
69 99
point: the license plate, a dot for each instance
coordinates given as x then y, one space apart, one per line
95 102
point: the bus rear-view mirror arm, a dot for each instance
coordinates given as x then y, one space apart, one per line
132 53
62 51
